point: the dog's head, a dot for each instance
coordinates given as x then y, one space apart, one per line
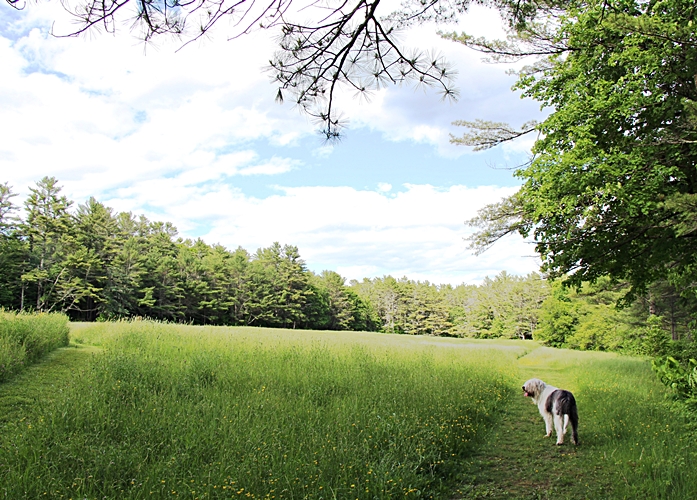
533 387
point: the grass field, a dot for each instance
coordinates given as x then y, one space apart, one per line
155 411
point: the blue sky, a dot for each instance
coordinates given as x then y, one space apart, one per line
194 137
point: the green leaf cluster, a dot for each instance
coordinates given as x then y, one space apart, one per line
610 188
681 377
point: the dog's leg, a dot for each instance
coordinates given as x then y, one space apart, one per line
559 427
548 424
566 424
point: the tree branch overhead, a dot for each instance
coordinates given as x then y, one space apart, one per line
344 44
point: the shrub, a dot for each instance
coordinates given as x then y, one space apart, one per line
599 329
680 377
558 320
651 340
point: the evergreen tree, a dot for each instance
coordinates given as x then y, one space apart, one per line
161 293
341 310
285 285
97 244
123 289
13 251
49 230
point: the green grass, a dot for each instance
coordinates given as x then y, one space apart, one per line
42 384
633 444
26 337
161 411
207 413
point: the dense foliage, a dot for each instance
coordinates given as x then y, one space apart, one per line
611 189
588 319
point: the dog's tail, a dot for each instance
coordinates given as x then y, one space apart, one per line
567 406
573 418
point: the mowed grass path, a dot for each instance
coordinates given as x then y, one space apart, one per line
632 444
42 383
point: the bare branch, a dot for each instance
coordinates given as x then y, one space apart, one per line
486 135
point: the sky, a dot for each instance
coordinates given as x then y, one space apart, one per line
195 137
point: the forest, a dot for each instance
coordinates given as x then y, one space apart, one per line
94 264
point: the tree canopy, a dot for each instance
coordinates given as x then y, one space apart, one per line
611 188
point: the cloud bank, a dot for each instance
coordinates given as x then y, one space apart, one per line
194 137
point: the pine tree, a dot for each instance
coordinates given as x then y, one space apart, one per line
49 229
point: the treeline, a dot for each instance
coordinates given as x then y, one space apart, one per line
506 306
93 264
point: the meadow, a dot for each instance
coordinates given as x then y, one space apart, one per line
155 411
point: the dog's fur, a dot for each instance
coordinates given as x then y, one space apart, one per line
556 406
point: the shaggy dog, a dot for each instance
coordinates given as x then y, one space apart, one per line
556 406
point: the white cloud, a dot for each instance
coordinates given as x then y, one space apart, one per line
418 233
272 167
324 151
101 110
108 106
172 135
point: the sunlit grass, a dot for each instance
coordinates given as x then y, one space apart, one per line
216 412
634 442
631 427
173 411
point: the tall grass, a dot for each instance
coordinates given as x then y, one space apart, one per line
651 443
628 428
219 413
26 337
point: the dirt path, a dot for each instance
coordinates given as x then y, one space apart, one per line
519 463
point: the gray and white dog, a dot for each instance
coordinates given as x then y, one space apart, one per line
556 406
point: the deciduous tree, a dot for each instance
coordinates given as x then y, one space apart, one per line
612 184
